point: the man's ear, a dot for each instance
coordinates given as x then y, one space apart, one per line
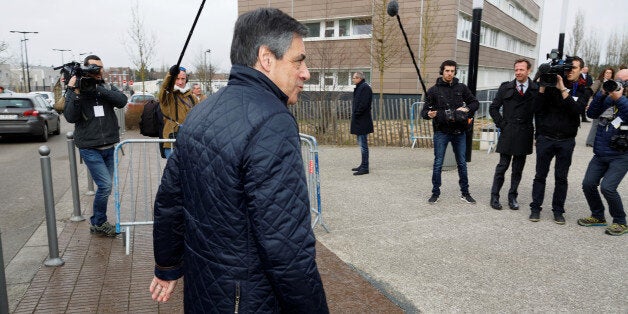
264 58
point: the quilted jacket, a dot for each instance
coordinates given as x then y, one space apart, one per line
232 211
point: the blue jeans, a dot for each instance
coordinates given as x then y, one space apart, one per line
100 165
610 171
459 145
546 150
363 142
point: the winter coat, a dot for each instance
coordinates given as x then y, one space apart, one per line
92 131
559 118
515 120
361 119
232 213
449 96
175 107
605 131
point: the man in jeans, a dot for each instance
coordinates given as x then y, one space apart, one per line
89 105
450 104
609 164
361 120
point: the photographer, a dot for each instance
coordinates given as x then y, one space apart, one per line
450 104
557 118
610 159
89 105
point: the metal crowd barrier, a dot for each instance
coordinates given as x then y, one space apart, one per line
309 153
421 129
137 175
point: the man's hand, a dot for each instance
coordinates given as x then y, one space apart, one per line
463 109
161 290
559 82
617 94
174 71
432 114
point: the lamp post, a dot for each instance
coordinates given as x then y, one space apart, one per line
28 77
61 51
211 91
84 53
474 51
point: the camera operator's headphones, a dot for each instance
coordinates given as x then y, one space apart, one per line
448 63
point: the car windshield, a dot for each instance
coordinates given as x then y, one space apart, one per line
140 98
15 103
43 95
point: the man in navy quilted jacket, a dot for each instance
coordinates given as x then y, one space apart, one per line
232 213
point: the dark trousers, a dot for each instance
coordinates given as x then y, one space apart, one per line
518 162
609 171
546 150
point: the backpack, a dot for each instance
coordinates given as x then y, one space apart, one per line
151 120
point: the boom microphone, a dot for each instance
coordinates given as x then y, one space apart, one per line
393 8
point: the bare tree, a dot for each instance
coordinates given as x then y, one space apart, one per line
430 29
577 34
590 50
142 44
613 49
3 49
623 58
386 47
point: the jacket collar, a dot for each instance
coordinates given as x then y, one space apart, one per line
439 81
244 75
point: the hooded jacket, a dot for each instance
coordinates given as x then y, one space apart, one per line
175 106
91 127
232 213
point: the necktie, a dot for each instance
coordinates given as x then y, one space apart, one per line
521 89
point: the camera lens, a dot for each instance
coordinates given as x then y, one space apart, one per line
611 86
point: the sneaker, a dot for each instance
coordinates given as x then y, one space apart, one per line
591 221
433 199
535 216
467 198
559 218
617 229
105 229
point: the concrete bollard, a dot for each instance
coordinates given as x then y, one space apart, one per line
49 203
76 199
4 299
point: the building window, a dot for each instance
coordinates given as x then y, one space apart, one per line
315 78
464 28
362 26
333 79
314 29
344 28
329 29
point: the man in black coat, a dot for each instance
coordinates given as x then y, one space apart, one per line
557 119
516 99
361 120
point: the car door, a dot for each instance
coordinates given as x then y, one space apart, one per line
47 112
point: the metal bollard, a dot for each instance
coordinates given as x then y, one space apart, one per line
90 184
76 200
4 299
49 203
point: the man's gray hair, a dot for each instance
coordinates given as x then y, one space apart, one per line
263 27
359 74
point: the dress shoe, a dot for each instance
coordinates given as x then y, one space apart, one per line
512 203
361 172
355 169
495 203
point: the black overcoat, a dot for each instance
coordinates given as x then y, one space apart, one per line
361 119
515 120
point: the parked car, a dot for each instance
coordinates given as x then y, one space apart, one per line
48 96
28 114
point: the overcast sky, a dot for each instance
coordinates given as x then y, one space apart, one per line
99 26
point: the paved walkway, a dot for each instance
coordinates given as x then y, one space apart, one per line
386 243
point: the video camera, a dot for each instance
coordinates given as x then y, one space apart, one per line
556 66
613 86
85 82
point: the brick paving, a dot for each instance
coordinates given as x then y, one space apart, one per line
98 277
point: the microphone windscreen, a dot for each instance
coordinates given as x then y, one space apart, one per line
393 8
544 68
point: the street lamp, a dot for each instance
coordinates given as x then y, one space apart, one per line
211 90
84 53
28 77
61 51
